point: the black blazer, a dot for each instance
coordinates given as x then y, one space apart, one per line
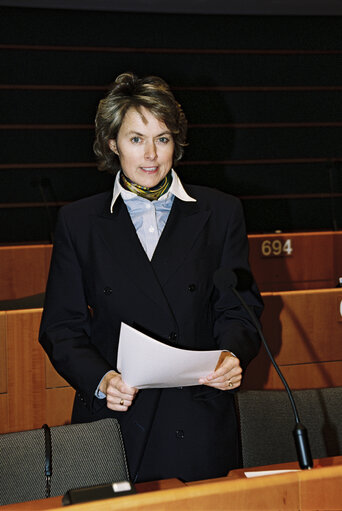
100 276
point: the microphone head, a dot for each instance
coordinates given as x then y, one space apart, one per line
225 278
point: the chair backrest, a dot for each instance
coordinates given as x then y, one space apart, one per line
82 455
267 423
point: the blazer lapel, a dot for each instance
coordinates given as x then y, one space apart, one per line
183 227
118 235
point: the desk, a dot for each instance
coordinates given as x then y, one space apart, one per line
303 490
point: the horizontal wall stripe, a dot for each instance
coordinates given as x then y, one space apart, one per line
205 145
287 196
263 161
14 205
72 165
44 127
262 96
201 51
8 166
201 107
245 125
202 88
186 70
301 196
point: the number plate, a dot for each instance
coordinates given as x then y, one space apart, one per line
276 248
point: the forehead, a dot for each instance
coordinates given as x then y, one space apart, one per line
142 121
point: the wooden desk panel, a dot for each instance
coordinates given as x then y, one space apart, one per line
303 330
52 378
3 354
27 403
261 374
304 326
23 270
303 490
338 254
314 262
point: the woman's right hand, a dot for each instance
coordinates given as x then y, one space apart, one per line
119 395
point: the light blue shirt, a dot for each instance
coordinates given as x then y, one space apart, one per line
148 217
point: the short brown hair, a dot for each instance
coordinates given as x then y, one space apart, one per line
129 91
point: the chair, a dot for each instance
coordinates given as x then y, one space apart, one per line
82 455
267 422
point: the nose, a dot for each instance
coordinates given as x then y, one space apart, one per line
150 151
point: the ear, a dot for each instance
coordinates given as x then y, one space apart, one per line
112 146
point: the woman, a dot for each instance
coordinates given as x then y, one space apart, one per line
145 253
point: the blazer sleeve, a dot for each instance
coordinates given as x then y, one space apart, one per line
65 330
233 328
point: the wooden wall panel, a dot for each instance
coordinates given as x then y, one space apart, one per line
260 374
303 330
28 403
52 378
59 402
3 354
4 413
286 261
23 270
338 254
315 263
25 370
304 325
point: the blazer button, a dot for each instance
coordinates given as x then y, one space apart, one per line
108 290
172 336
179 434
192 288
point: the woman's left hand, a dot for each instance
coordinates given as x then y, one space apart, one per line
227 375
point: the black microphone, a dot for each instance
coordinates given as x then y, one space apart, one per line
42 183
225 279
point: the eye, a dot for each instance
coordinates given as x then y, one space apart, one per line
163 140
135 140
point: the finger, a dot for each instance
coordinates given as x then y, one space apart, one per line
116 384
228 365
117 407
119 402
226 385
235 373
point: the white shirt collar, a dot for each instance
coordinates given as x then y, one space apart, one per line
176 189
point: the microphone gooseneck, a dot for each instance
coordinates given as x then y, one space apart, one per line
225 279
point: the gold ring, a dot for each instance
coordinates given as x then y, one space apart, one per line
122 402
230 384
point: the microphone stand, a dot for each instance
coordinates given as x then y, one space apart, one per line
300 432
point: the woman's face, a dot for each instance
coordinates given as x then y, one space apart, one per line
144 146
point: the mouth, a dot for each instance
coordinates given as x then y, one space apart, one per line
149 169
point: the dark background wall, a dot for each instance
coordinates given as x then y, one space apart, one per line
262 95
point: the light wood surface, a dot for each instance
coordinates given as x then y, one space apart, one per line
314 489
56 502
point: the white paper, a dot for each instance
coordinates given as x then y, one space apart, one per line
268 472
146 363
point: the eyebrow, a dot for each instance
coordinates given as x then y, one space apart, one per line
142 135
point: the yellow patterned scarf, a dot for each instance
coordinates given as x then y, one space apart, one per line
148 193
